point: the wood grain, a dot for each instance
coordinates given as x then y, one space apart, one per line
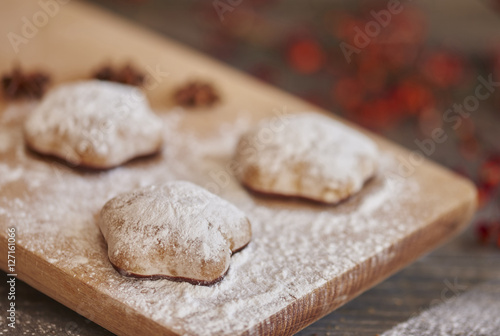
440 276
79 38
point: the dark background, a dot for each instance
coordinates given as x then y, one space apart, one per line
426 59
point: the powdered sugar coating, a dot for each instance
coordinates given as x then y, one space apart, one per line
475 313
178 230
308 156
94 123
296 247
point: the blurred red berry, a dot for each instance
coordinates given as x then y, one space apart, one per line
305 56
372 75
489 172
409 26
414 97
443 69
348 93
484 194
378 114
483 232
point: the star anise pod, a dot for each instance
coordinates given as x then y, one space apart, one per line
127 74
18 84
196 94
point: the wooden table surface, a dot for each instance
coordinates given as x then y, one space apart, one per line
433 279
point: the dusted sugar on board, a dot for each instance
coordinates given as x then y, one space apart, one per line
475 312
297 247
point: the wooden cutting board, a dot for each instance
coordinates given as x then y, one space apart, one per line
304 261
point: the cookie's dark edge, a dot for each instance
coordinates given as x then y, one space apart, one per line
241 248
176 279
302 199
86 168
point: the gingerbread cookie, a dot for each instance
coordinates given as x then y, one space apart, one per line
306 155
94 124
177 231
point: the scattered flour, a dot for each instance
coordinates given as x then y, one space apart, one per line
474 313
296 246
